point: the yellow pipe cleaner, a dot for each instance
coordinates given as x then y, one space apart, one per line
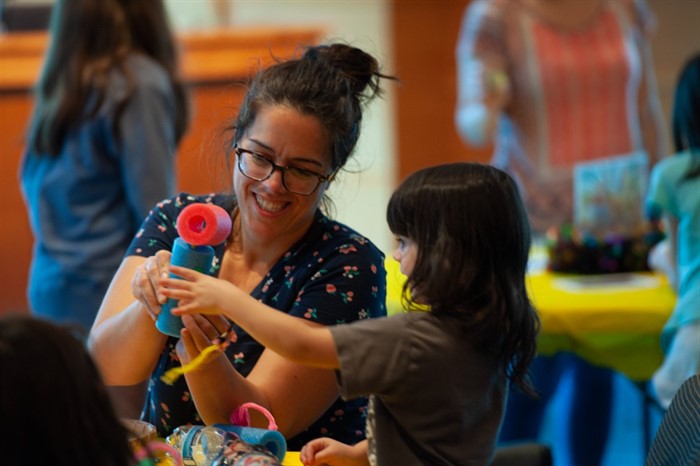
173 374
221 343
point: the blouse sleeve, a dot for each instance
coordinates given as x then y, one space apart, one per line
643 17
481 45
482 34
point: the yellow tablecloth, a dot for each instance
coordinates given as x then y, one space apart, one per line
611 326
291 459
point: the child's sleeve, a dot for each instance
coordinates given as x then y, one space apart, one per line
372 355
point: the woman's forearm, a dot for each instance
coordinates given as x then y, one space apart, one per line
295 395
126 346
217 389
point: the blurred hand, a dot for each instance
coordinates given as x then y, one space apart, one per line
484 92
146 281
486 84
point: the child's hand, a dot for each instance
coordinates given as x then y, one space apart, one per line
329 452
197 292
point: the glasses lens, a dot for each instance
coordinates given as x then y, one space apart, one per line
301 181
254 166
296 180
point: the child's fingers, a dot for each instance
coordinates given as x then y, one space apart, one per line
187 274
308 451
183 309
177 294
174 284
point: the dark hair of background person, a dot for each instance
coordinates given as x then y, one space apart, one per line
686 114
473 239
329 82
53 404
89 38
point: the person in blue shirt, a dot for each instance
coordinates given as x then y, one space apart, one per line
110 111
674 197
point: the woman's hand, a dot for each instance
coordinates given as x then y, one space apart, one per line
485 83
146 282
329 452
200 332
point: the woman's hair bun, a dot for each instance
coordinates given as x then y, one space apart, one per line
360 68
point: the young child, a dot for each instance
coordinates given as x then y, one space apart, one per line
674 196
438 379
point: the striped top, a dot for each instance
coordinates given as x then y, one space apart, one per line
574 93
677 442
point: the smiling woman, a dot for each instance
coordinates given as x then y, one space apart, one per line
297 126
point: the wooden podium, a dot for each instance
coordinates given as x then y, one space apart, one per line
215 64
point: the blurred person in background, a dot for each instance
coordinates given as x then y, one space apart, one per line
109 113
674 197
552 83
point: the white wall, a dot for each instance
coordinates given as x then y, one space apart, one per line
360 197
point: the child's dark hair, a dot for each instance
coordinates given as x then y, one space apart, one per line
470 225
53 403
686 114
330 82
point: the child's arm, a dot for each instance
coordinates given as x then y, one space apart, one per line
293 338
329 452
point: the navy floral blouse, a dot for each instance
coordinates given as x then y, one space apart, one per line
332 275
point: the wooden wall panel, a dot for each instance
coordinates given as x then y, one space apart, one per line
15 236
425 36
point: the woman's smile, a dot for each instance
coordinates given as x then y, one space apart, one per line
267 206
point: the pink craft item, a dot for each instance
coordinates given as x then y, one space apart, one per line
203 224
